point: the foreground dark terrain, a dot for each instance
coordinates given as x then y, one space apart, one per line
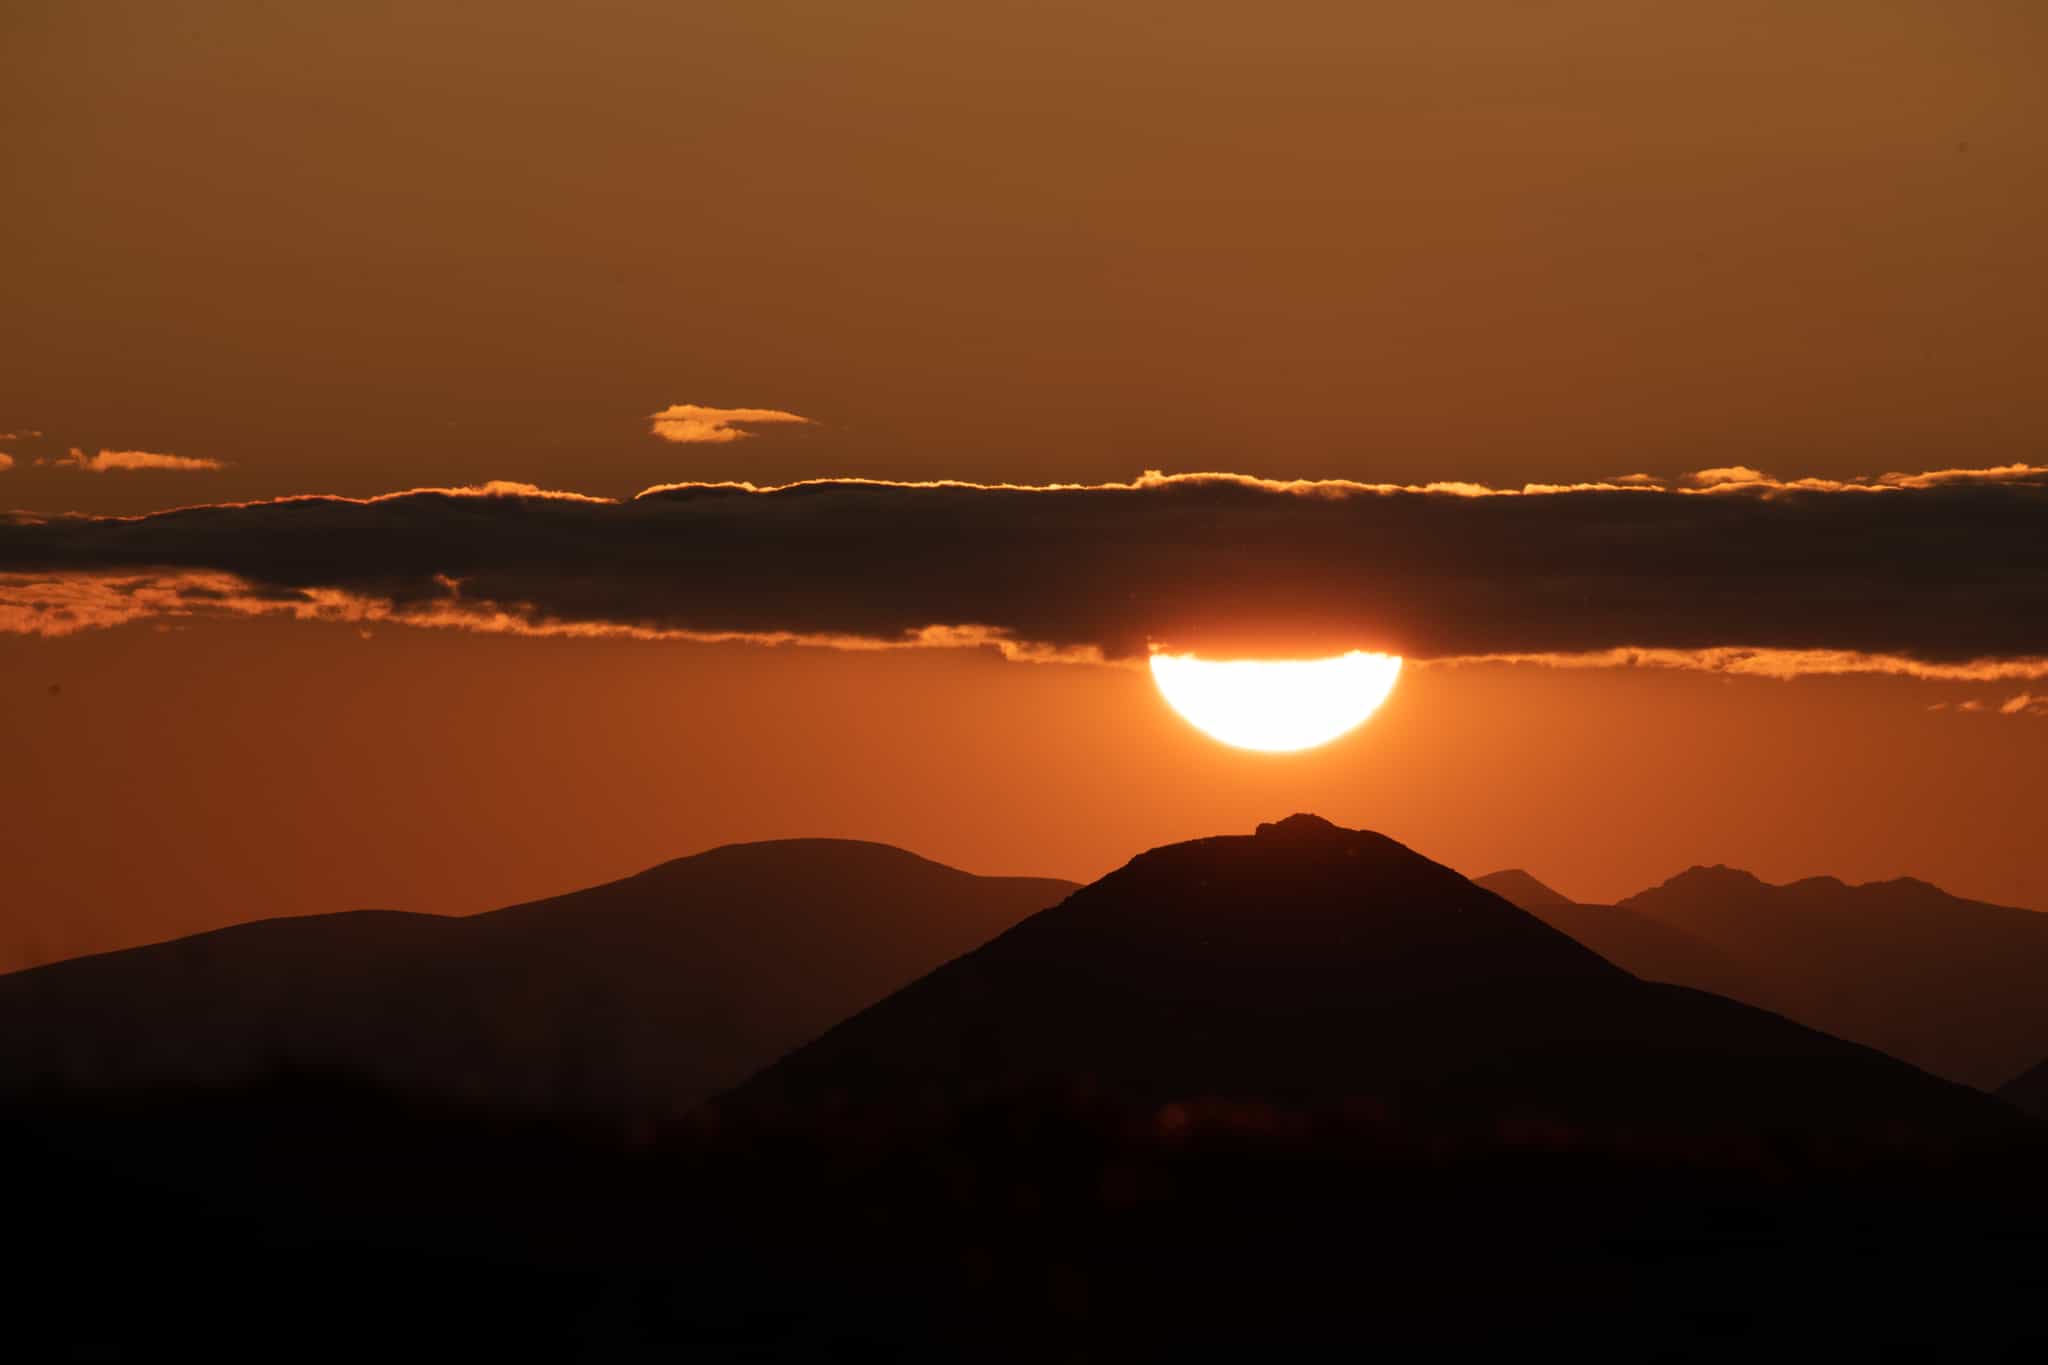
306 1221
1260 1093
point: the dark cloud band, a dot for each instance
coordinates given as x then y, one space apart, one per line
1935 569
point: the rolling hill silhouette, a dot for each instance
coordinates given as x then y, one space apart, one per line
1954 986
1646 947
1309 966
642 995
2028 1091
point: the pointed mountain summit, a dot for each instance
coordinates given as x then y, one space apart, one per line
1306 966
643 995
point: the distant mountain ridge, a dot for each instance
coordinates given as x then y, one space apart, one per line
1955 986
1310 965
1637 943
644 994
654 992
1520 888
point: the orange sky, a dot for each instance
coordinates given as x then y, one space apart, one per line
185 778
260 249
357 247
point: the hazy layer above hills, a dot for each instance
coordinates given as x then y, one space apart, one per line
645 994
1955 986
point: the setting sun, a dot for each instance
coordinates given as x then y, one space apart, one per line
1275 706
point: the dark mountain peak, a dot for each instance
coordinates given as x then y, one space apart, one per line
1301 887
1301 827
1519 888
1301 916
1290 849
1308 965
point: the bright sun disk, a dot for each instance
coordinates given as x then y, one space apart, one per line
1275 705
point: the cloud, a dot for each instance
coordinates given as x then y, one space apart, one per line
6 460
1945 579
121 460
691 423
1738 473
53 606
1777 663
2025 704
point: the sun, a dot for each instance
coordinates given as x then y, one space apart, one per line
1275 706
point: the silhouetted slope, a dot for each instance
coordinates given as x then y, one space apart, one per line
1955 986
1518 888
2029 1091
1312 966
1649 948
643 994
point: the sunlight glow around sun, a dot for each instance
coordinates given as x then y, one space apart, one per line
1275 706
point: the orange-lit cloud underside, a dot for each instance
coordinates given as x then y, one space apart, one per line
59 605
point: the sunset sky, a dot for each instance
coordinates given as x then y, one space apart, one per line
1688 354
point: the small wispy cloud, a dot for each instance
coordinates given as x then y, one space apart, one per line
694 424
120 460
6 460
2025 704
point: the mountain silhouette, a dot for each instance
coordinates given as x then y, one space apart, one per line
1307 966
1520 888
1637 943
1954 986
2028 1091
642 995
